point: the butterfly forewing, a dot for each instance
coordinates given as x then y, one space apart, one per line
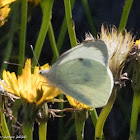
95 50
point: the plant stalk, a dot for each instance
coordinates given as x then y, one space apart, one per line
104 114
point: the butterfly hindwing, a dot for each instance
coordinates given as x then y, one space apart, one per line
86 80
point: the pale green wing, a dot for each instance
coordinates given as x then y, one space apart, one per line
95 50
86 80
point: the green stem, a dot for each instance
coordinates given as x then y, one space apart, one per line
89 17
70 132
46 8
10 37
22 34
3 125
62 34
15 107
134 115
42 131
70 23
52 41
63 30
4 128
80 118
69 124
103 115
27 127
43 122
94 116
125 14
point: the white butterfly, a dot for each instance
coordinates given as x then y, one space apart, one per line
82 72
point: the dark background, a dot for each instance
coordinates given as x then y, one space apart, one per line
103 12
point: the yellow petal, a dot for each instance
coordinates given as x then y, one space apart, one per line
13 83
26 73
4 75
137 42
4 10
5 2
77 104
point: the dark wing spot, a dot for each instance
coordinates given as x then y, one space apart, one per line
80 59
85 62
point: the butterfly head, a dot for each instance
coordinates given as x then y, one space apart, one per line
43 72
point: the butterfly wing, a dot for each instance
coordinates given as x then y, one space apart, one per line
95 50
86 80
82 72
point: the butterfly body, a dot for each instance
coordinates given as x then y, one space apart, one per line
82 72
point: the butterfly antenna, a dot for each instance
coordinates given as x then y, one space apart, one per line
35 56
9 63
5 62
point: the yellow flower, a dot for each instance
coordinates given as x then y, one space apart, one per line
119 45
4 10
5 2
137 42
76 103
32 88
